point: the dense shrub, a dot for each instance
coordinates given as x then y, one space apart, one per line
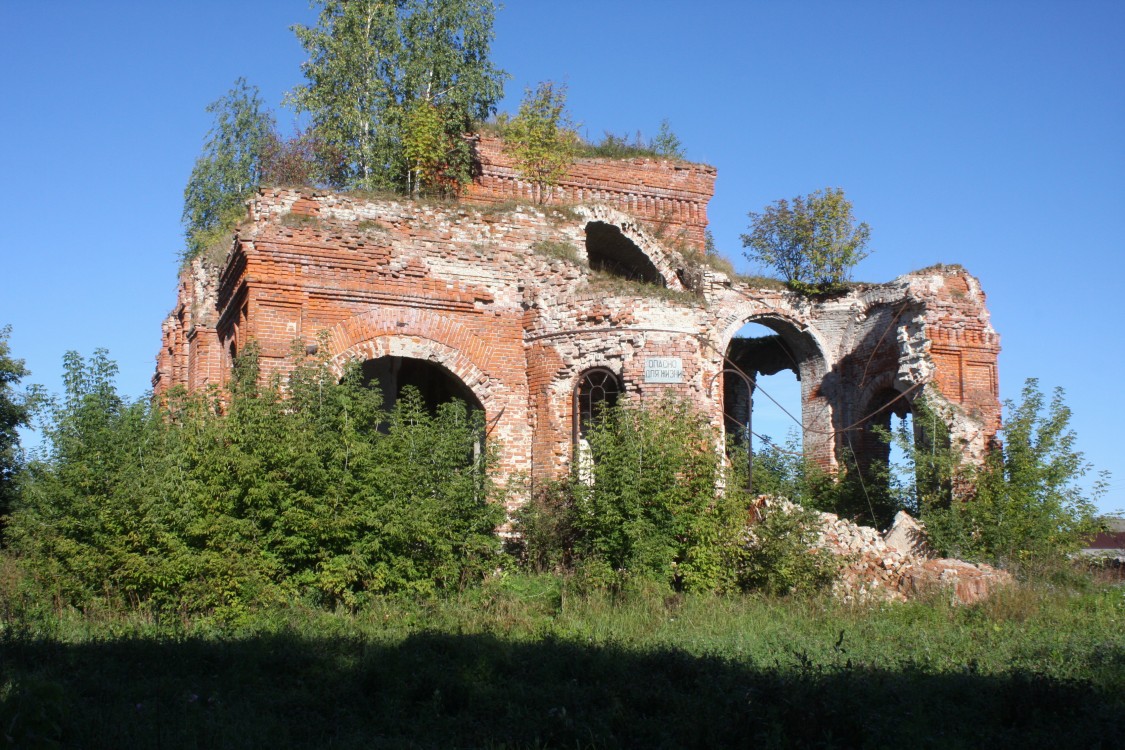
1025 508
651 505
183 505
780 555
870 498
652 501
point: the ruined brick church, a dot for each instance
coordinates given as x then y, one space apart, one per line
536 314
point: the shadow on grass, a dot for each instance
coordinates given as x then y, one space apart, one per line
440 690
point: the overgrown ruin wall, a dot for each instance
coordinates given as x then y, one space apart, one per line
500 294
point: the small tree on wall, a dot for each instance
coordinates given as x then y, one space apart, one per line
230 167
541 138
812 241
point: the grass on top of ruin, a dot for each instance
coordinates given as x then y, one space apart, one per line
532 661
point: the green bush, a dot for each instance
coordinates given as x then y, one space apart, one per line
1026 510
651 505
780 555
184 505
654 503
783 471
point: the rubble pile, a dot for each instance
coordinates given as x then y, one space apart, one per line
897 565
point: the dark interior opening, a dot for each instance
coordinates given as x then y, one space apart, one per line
611 251
436 384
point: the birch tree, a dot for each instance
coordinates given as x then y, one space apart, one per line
229 168
380 70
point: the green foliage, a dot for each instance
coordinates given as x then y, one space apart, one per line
1027 510
813 241
614 146
781 557
651 507
665 145
229 169
651 502
427 148
541 138
181 506
15 411
785 472
393 86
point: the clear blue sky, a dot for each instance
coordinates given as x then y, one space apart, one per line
990 134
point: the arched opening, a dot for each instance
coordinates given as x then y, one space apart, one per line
610 251
763 405
596 390
436 384
764 401
900 453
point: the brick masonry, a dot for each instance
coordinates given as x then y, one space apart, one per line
498 291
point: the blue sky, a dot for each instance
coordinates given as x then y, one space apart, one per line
990 134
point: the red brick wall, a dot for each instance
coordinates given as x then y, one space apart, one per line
464 286
670 196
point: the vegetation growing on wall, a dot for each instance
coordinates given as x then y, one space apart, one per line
664 145
813 241
228 170
392 87
541 138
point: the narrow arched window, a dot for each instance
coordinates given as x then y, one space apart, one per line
596 389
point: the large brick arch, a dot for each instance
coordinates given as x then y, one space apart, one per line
418 334
632 230
816 407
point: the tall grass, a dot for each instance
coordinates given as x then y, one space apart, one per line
527 661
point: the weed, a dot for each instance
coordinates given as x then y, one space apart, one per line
299 221
370 225
761 282
606 283
524 661
556 249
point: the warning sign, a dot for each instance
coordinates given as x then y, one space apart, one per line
664 370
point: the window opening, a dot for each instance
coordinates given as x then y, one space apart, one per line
596 389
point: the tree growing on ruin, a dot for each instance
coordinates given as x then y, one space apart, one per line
813 240
379 73
541 138
229 168
667 144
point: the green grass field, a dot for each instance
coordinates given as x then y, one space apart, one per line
524 662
